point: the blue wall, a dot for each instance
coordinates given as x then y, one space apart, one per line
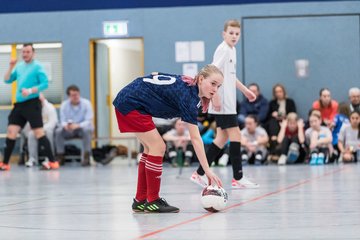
160 28
330 43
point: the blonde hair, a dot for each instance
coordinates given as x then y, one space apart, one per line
292 116
206 71
232 23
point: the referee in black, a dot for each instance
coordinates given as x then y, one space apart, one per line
31 80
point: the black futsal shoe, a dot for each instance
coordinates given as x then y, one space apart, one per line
160 206
138 206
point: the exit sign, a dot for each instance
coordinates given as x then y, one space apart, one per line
115 29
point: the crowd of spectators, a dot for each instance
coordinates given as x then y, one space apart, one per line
273 132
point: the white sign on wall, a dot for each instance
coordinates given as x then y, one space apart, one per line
197 51
187 51
302 68
190 69
182 51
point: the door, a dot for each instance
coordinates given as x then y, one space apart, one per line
117 63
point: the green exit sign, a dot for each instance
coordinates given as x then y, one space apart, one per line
115 29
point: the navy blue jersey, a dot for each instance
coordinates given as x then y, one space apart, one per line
164 96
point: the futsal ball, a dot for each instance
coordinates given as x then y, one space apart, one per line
214 198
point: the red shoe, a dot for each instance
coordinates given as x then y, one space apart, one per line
47 165
4 167
54 165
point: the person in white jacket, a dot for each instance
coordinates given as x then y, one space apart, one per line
50 120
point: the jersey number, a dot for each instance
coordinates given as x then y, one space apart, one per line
165 80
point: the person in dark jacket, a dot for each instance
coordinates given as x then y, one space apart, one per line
259 107
279 107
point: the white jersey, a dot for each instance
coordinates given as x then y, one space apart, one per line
225 60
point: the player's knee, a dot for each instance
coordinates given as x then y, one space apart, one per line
220 141
224 139
235 139
39 132
12 132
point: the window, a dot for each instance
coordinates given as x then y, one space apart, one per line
5 89
49 55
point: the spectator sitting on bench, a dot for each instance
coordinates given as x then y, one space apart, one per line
327 107
178 142
291 139
258 108
76 117
50 120
349 139
253 141
354 97
319 139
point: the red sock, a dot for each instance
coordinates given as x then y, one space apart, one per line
141 184
153 169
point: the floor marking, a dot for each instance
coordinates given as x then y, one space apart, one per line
302 182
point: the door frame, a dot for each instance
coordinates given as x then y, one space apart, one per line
92 45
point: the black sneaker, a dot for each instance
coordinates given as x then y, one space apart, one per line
160 206
138 206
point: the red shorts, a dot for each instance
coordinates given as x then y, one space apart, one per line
134 121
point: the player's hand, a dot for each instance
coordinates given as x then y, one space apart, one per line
213 179
252 148
275 114
283 123
25 92
300 123
74 126
216 103
67 127
331 125
13 62
250 95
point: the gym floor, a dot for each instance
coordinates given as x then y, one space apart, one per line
293 202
